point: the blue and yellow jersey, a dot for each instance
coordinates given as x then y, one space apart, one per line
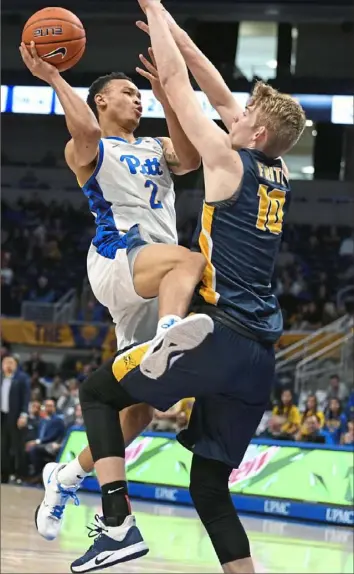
240 238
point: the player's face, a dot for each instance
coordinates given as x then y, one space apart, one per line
121 100
245 132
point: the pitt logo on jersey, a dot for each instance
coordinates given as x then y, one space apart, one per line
150 167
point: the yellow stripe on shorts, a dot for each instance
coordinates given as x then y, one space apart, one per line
129 360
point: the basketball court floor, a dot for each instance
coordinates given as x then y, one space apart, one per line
176 538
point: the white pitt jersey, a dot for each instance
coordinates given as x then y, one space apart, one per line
131 184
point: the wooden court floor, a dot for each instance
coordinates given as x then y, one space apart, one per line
176 538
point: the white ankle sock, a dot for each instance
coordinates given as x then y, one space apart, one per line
166 322
72 473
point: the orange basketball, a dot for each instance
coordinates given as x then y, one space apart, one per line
59 36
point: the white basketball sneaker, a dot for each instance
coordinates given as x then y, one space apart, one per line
169 345
49 514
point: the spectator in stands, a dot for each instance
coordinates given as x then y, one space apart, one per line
15 396
51 251
57 389
329 313
335 421
312 317
50 435
348 437
35 364
7 273
347 246
78 419
336 389
312 421
285 420
38 386
42 293
34 418
66 404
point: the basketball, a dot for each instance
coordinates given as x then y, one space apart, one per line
59 37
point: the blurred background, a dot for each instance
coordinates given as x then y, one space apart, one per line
53 330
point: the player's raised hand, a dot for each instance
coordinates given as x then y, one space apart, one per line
145 28
36 65
151 74
144 4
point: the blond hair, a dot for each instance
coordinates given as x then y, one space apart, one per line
281 115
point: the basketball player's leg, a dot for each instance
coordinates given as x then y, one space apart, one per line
209 491
170 272
133 421
200 372
175 272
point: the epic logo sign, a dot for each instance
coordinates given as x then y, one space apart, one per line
253 463
52 31
134 451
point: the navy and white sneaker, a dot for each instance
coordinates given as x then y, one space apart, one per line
112 545
49 514
170 345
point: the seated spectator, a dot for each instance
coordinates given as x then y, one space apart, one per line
67 402
34 419
335 421
44 448
38 386
42 293
78 420
336 389
285 420
312 421
348 437
57 389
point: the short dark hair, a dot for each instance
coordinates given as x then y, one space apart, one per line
98 86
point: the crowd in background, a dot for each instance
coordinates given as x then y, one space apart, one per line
323 417
44 247
39 408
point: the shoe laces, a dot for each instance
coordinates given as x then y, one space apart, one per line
65 494
96 529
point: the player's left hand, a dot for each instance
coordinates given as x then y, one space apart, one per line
151 74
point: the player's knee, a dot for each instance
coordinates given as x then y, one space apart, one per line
87 391
197 262
208 479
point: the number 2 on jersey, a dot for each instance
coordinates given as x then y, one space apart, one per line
270 209
154 203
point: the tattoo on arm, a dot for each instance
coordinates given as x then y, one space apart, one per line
171 158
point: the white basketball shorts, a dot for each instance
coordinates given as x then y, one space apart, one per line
111 281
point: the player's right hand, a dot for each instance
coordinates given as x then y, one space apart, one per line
152 75
36 65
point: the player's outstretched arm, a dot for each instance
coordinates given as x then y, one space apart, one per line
180 155
81 151
222 166
206 75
